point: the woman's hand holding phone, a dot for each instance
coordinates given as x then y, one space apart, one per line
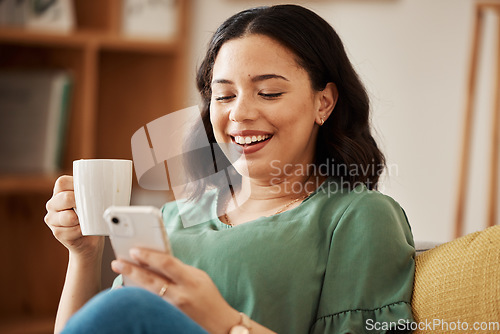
187 287
145 259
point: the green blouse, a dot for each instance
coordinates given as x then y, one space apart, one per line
340 262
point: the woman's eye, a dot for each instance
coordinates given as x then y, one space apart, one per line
270 96
224 98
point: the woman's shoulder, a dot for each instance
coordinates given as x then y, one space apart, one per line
357 197
373 200
362 205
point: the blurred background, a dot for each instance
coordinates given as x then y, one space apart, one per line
110 67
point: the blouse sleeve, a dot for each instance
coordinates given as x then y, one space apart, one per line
368 279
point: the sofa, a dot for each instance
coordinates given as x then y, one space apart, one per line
457 285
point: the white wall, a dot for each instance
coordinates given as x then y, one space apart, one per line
413 57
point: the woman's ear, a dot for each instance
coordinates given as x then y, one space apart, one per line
327 100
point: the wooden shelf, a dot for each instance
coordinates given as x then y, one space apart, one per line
25 325
119 85
29 183
120 43
32 37
494 4
85 39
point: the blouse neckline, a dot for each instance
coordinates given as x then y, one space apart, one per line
215 204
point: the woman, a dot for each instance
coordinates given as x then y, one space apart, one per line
311 247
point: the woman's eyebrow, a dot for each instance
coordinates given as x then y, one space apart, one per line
256 78
222 81
267 77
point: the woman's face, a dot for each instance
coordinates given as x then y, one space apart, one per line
262 102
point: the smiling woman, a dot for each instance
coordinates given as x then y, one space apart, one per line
259 89
301 241
290 57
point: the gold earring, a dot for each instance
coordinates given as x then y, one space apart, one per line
322 121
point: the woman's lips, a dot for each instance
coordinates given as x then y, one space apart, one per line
254 145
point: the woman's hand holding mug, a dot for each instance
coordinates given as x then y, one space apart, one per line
89 193
75 211
61 218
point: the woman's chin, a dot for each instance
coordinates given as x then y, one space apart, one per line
258 170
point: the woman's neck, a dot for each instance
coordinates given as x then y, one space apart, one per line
256 198
275 188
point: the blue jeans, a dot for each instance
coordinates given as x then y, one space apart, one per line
130 310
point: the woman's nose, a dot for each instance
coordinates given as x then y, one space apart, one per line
243 110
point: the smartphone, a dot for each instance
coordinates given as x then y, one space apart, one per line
135 226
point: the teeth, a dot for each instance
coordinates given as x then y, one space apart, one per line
250 139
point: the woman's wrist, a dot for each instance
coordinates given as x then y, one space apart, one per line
234 318
88 262
88 256
223 323
243 327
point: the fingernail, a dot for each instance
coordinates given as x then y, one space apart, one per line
135 252
117 266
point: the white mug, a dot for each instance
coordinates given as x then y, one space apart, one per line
98 184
